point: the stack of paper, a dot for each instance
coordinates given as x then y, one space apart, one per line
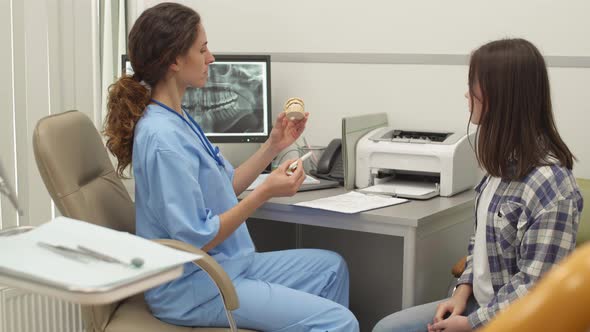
262 177
352 202
401 188
22 256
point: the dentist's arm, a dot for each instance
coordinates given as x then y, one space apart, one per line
284 133
276 185
247 172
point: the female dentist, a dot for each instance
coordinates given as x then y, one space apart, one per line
186 190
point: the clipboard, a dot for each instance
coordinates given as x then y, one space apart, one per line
24 264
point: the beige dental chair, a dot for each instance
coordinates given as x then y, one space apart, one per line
82 182
559 302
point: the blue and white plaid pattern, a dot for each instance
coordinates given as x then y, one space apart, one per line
531 225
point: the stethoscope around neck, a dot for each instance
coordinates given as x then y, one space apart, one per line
213 151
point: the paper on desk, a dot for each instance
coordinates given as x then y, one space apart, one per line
415 189
20 255
262 177
352 202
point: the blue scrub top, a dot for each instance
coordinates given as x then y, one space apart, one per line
180 191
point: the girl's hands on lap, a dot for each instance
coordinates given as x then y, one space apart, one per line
455 323
453 306
448 313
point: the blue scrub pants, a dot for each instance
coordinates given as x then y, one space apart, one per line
416 319
292 290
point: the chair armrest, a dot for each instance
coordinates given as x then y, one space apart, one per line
212 268
459 267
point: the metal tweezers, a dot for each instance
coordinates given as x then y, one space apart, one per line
66 252
84 255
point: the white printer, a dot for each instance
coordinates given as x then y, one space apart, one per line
415 164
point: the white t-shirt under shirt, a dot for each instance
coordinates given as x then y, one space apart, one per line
482 281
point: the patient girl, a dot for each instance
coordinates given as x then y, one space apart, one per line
528 204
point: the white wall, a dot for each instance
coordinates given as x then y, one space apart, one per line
385 26
422 96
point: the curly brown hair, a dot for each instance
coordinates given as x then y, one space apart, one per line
159 36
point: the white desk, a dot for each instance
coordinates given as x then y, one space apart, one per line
411 221
434 233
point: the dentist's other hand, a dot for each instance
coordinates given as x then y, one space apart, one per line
279 184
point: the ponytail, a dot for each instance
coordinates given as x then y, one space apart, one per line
174 27
127 101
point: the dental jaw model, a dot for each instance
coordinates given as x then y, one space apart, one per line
294 109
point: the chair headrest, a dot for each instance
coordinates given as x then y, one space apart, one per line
78 173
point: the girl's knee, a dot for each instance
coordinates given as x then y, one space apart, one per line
382 326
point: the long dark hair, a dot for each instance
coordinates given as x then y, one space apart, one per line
160 35
516 130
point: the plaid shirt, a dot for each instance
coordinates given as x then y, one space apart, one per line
531 225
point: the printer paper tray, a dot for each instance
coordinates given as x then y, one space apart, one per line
406 189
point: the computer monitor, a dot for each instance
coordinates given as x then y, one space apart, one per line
234 106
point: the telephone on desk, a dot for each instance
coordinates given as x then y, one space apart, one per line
331 165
